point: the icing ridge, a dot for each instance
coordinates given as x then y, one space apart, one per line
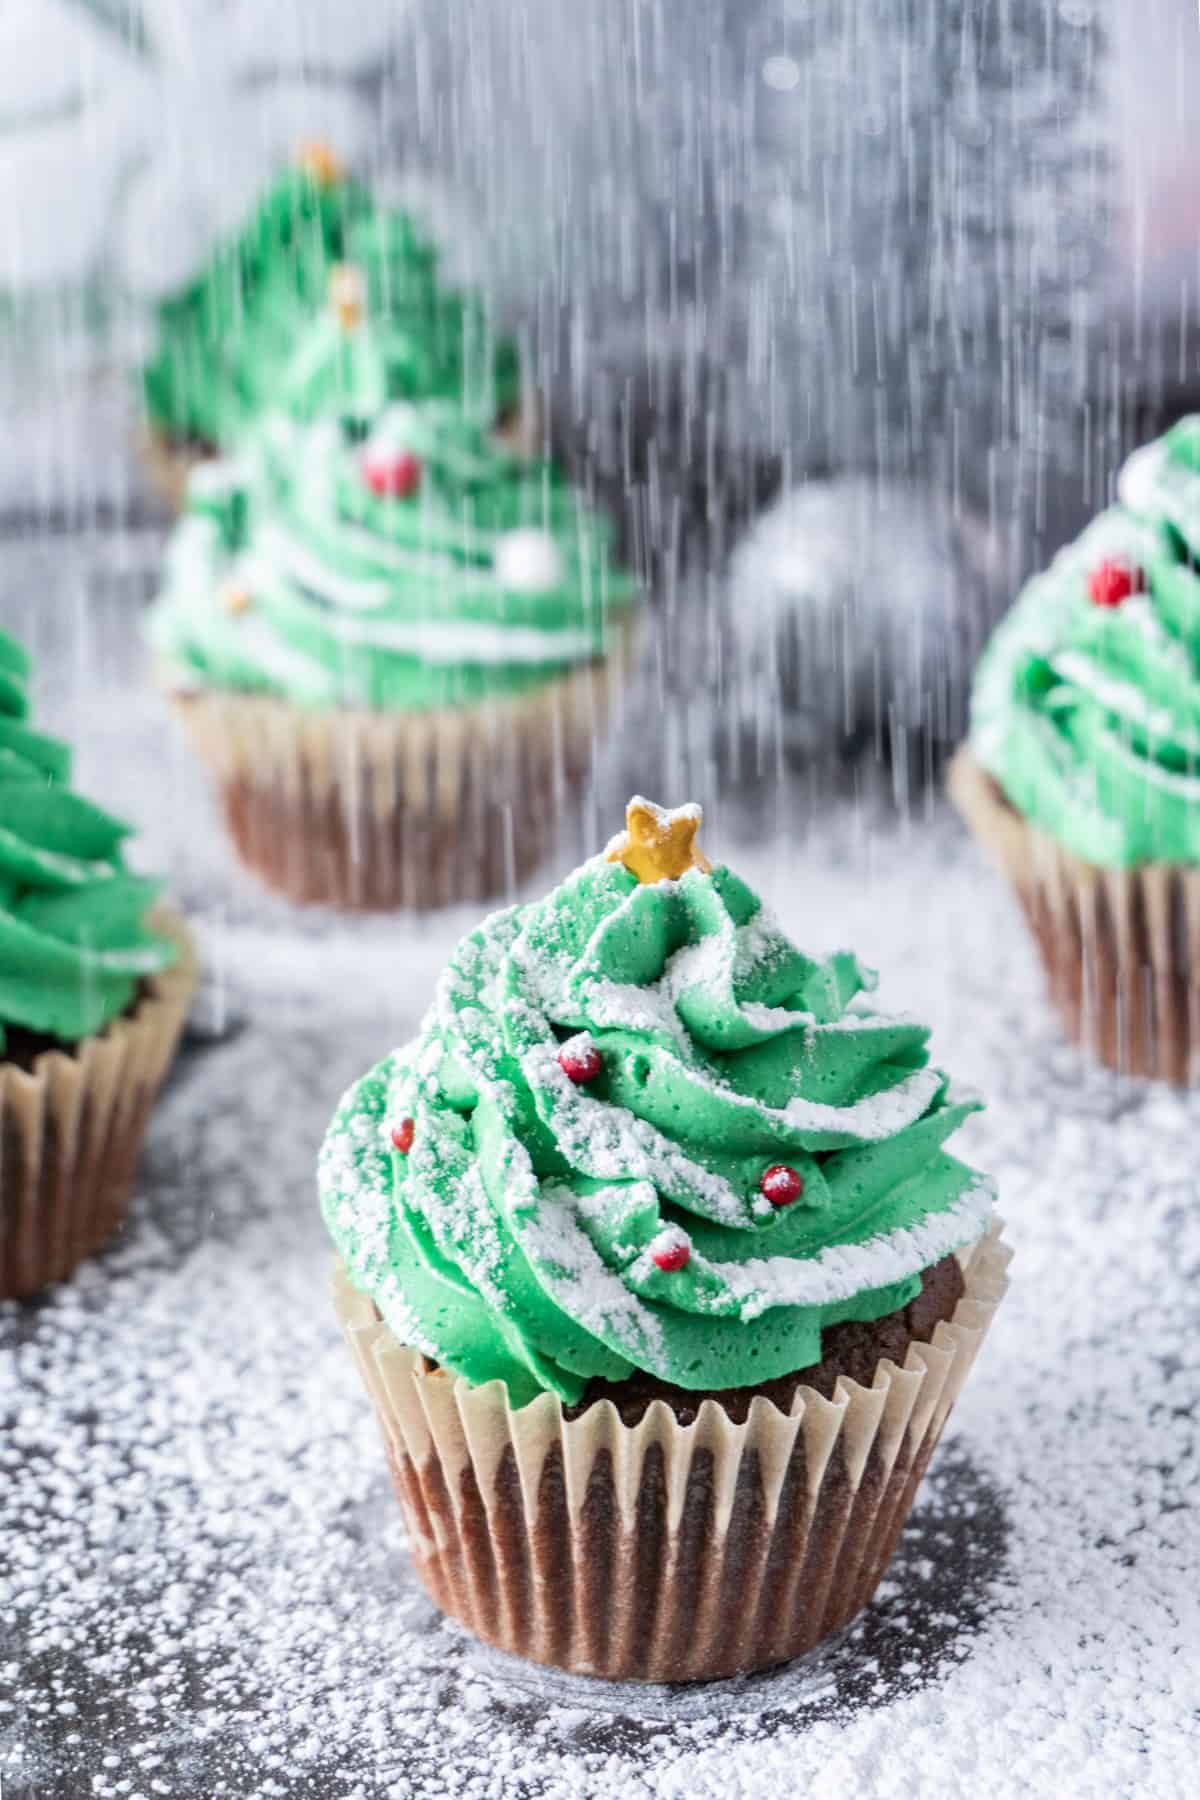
411 562
73 945
569 1173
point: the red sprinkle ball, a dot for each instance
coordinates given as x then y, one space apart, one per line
402 1136
672 1257
393 475
781 1184
581 1062
1114 580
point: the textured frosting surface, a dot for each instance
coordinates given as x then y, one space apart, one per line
517 1237
1086 707
72 943
252 331
291 574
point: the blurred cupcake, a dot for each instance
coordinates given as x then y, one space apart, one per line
226 343
234 325
393 644
657 1271
95 980
1080 774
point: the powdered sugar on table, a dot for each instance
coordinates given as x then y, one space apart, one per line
203 1584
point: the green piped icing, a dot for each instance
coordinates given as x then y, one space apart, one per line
1088 716
240 337
491 577
516 1238
73 945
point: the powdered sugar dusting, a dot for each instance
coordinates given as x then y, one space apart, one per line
203 1586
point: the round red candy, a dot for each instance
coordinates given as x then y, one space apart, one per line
781 1184
581 1062
1114 580
672 1257
402 1136
393 475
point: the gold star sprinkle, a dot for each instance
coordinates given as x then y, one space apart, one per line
657 844
236 599
317 159
347 294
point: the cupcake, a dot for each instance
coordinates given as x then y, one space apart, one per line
1080 772
234 325
95 979
392 642
657 1271
227 343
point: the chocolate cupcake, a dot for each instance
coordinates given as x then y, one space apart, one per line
95 979
657 1272
1080 773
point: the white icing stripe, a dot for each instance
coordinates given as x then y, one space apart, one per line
464 641
1123 698
271 544
1185 788
258 644
842 1270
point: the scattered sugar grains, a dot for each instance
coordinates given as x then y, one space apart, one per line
203 1589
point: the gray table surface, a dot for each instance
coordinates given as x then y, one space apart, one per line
203 1584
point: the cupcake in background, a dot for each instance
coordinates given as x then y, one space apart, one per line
392 639
225 345
240 314
95 979
657 1271
1081 775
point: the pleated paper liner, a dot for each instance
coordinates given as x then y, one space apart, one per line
373 811
71 1130
661 1551
1120 947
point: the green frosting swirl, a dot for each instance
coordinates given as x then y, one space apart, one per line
1088 715
253 331
491 576
517 1238
72 944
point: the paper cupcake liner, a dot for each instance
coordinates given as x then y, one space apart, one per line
661 1551
1120 947
371 811
71 1129
168 462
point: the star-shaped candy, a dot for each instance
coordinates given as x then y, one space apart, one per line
318 160
658 844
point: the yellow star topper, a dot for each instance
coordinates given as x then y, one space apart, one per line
317 159
658 844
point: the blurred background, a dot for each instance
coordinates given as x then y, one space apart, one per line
849 308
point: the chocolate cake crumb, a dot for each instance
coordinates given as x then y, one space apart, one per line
851 1349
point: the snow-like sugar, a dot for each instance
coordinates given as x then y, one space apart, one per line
199 1550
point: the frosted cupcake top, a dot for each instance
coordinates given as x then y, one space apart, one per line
1086 706
73 944
411 563
250 328
640 1129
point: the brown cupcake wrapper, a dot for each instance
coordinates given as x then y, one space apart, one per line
661 1551
71 1129
1120 947
372 811
168 463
